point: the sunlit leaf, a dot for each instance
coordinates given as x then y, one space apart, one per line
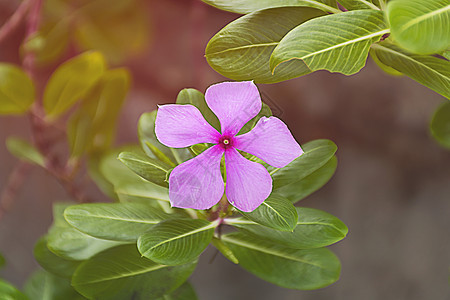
177 241
344 48
430 71
242 49
122 273
360 4
420 26
275 212
71 81
286 267
46 286
385 68
440 124
23 150
114 221
9 292
16 90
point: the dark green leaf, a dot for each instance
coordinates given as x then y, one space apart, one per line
224 250
430 71
242 49
184 292
420 26
148 168
245 6
16 90
298 190
9 292
385 68
196 98
46 286
2 261
23 150
114 221
264 112
286 267
53 263
275 212
316 154
343 49
122 273
440 124
315 229
177 241
71 81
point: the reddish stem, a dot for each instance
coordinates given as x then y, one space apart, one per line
15 20
15 181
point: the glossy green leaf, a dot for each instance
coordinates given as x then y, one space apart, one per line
420 26
430 71
275 212
220 246
92 127
242 49
53 263
69 243
315 229
343 49
286 267
184 292
360 4
382 66
9 292
122 273
114 221
196 98
46 286
245 6
23 150
71 81
148 168
16 90
177 241
298 190
440 124
316 154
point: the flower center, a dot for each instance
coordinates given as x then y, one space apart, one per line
226 142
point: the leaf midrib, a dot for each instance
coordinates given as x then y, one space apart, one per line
424 17
106 217
278 214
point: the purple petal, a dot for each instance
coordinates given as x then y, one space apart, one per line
271 141
234 103
197 183
180 126
248 183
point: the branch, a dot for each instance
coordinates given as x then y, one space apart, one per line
14 21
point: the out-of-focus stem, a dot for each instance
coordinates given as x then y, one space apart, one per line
15 181
14 21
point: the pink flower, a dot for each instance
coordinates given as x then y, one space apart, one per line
197 183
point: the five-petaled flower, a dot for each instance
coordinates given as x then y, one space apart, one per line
197 183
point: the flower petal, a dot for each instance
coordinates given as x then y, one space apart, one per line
180 126
271 141
234 103
248 183
197 183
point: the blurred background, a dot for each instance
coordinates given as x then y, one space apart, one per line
392 185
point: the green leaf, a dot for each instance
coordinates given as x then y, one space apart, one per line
92 127
175 242
446 54
9 292
420 26
275 212
184 292
71 81
264 112
344 48
360 4
16 90
148 168
315 229
389 70
242 49
432 72
440 124
2 261
53 263
114 221
224 250
245 6
46 286
298 190
122 273
196 98
69 243
316 154
23 150
286 267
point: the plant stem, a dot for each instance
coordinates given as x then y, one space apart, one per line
15 181
14 21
